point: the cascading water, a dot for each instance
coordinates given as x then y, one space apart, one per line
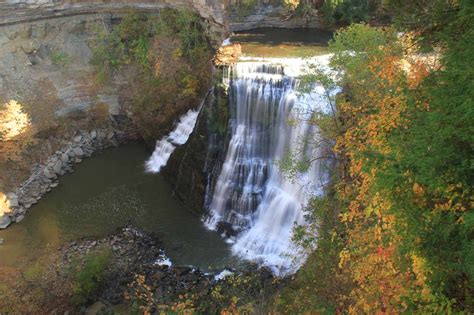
166 146
251 192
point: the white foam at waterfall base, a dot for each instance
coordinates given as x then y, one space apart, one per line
166 146
223 274
251 192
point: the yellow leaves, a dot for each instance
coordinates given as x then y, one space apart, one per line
419 194
455 198
177 54
191 86
344 257
375 109
13 120
291 4
408 41
420 270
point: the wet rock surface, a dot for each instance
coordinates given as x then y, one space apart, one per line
189 168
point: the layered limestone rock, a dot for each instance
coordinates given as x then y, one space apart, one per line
18 11
47 63
233 13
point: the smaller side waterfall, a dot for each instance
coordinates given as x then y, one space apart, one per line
166 146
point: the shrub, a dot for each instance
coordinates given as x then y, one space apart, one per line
90 275
60 58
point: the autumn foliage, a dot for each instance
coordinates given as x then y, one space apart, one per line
396 217
402 192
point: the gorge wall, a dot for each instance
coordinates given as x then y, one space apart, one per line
17 11
46 47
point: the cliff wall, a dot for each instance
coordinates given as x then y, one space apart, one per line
15 11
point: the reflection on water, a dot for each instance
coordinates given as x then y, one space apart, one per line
274 42
106 192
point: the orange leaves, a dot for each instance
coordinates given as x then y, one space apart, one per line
417 72
385 253
375 109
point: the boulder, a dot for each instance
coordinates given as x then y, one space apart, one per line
19 218
64 158
48 173
58 167
78 151
5 221
34 189
13 199
77 139
71 153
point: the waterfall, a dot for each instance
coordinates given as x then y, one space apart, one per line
166 146
268 123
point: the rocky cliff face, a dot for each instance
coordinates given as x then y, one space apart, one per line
193 165
20 11
45 66
45 48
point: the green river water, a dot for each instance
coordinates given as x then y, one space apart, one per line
104 193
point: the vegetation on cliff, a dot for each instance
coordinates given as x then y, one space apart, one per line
166 60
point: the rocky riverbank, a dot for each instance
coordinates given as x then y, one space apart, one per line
45 176
128 272
140 275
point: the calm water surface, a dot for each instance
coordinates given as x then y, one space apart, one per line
274 42
104 193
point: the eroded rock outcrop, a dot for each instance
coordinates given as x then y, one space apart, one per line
227 55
